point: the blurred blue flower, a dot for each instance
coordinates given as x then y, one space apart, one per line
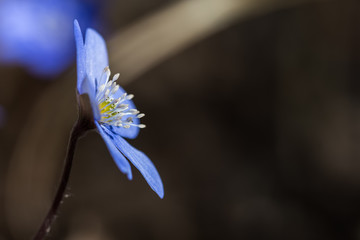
115 115
37 34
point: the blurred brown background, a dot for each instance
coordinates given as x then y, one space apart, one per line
255 130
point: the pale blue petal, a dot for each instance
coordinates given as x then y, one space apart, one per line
140 161
96 55
80 55
119 159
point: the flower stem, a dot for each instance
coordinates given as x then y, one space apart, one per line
78 130
84 123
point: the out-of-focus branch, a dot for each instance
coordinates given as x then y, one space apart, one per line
159 36
133 51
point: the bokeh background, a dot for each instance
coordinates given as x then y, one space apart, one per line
253 121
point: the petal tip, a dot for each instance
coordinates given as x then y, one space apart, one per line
129 175
158 189
76 22
77 31
161 194
93 34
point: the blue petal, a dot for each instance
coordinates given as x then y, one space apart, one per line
119 159
80 56
140 161
96 56
131 132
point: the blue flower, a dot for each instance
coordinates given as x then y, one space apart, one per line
114 114
37 34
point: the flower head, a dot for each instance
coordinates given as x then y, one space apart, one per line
114 113
37 34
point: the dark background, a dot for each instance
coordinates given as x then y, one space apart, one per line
255 132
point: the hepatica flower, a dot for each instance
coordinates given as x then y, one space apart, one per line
114 113
105 106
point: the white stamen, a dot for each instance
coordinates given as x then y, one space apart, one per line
115 111
101 88
115 89
116 77
107 92
130 96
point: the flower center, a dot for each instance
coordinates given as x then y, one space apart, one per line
115 110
